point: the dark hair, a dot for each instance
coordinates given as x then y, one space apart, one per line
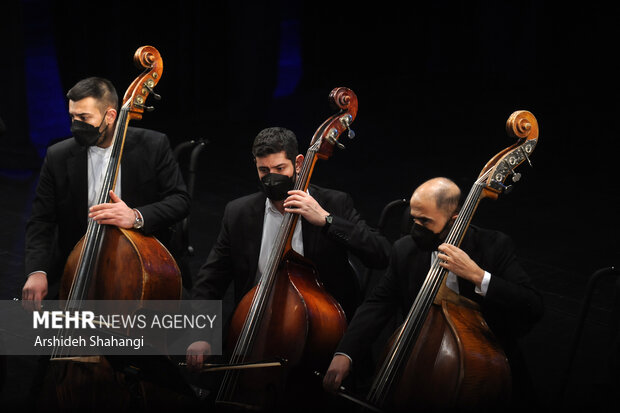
96 87
275 140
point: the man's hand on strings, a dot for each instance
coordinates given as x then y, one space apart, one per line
456 260
300 202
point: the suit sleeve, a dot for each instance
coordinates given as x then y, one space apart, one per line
511 295
215 275
371 317
42 225
350 229
174 200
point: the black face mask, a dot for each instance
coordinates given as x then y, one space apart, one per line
86 134
427 240
276 186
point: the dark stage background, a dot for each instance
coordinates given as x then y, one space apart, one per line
436 82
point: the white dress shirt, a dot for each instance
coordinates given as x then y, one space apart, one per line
97 165
271 224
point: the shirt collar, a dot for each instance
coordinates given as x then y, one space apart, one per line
270 207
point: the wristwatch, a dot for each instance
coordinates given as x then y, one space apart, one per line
139 222
328 221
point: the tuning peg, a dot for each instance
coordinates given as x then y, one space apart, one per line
506 188
528 159
346 121
524 151
152 92
147 108
515 175
339 145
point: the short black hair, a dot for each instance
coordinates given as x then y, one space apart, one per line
275 140
96 87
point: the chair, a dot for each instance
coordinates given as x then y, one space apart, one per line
393 223
182 245
613 347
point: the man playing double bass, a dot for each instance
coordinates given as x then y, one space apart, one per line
330 228
484 269
150 194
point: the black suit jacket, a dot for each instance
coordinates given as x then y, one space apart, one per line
510 307
234 256
150 181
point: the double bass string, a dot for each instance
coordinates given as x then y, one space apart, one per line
94 234
95 231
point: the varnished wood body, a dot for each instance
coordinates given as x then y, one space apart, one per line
95 386
455 365
78 386
131 266
303 325
134 267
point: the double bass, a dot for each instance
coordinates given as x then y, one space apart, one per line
112 263
444 356
288 315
